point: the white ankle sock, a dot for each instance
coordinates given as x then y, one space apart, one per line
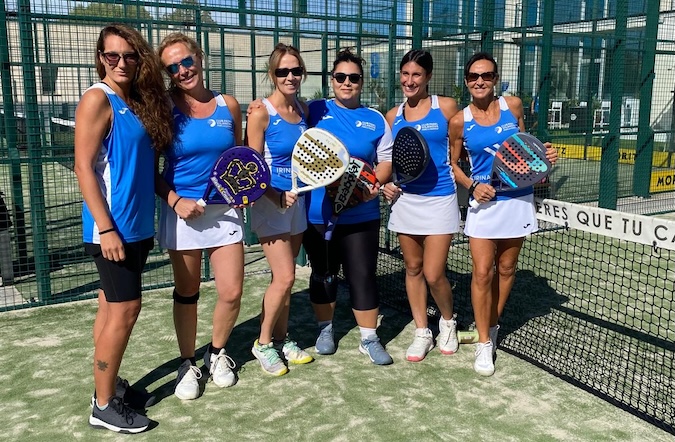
367 332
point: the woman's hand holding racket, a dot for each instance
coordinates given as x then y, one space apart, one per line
187 208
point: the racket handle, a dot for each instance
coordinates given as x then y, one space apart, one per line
467 337
201 202
474 203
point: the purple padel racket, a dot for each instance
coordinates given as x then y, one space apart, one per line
349 190
520 161
239 176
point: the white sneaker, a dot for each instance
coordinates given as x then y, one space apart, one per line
187 382
494 334
484 365
421 345
220 366
447 336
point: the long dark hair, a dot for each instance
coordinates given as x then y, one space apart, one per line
148 97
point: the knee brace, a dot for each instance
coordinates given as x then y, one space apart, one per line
323 289
185 300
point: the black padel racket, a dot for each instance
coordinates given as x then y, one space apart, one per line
410 155
350 190
239 176
318 159
519 162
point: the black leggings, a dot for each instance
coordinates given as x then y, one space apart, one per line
355 247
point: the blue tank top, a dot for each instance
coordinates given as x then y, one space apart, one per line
197 145
280 138
437 179
481 142
366 134
125 174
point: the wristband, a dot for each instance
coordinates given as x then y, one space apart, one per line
473 186
173 207
112 229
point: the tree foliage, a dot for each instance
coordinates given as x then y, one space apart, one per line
186 15
109 10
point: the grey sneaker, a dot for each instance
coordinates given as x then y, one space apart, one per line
447 336
220 366
269 359
325 343
118 417
136 399
484 364
187 381
375 351
421 345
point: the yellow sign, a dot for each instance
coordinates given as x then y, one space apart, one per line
662 181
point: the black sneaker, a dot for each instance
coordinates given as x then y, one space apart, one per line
118 417
136 399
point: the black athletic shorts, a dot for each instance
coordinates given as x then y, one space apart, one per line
121 281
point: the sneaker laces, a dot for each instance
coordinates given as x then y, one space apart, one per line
117 403
269 353
224 357
195 371
291 346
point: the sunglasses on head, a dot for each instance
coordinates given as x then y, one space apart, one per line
113 58
187 63
283 72
486 76
340 77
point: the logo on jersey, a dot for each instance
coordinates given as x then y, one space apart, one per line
327 117
397 121
277 121
470 127
426 126
365 124
506 126
123 110
219 123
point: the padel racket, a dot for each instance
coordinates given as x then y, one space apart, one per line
318 159
410 155
350 190
239 176
519 162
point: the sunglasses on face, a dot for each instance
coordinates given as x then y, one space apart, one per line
486 76
283 72
113 58
340 77
187 63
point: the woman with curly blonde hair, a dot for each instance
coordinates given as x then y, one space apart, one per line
120 124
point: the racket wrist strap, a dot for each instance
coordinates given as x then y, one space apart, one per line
473 186
281 199
103 232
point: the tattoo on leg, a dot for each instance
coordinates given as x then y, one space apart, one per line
101 365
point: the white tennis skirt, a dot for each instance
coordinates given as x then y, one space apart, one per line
512 218
413 214
219 225
267 221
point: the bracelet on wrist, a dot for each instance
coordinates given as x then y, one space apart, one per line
173 206
472 187
112 229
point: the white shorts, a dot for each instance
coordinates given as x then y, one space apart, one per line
266 220
424 215
512 218
220 225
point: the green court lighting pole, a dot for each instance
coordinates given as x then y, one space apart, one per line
609 163
11 140
644 149
545 71
33 129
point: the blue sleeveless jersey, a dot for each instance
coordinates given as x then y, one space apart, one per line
437 179
125 174
280 138
197 145
366 134
481 142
